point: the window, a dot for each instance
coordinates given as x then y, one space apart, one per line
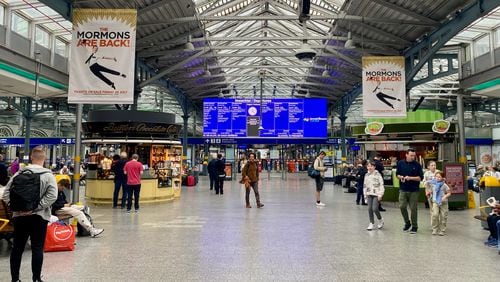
482 45
2 15
42 37
497 38
61 47
20 25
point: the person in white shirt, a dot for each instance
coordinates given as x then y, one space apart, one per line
373 190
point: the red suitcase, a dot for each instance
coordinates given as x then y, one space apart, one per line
190 180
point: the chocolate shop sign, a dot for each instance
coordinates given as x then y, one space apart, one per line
104 129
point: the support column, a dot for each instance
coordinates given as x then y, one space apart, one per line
343 138
185 134
27 130
462 158
194 123
137 93
78 149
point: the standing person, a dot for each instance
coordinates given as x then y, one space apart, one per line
133 169
30 223
120 179
251 170
429 175
360 177
373 191
440 194
220 175
4 175
318 165
14 166
379 166
212 173
410 174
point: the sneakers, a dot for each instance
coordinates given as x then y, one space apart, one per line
407 227
248 206
370 227
95 232
441 233
380 223
380 209
434 232
320 204
413 230
137 211
259 205
129 211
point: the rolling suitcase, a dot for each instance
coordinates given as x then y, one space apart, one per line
190 180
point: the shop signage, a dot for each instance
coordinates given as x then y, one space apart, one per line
441 126
384 86
270 141
101 69
455 177
374 128
37 141
131 129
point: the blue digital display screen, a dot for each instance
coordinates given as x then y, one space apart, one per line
281 118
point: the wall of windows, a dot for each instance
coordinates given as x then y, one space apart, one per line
61 47
482 45
2 15
497 38
20 25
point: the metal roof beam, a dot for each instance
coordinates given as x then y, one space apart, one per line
384 33
404 11
343 57
221 8
154 6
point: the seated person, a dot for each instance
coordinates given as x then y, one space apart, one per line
492 220
62 208
64 170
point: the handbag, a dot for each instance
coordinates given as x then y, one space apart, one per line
313 173
60 237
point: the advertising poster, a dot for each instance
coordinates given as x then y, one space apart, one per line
454 174
496 154
101 65
384 86
485 155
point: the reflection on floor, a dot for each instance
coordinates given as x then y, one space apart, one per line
207 237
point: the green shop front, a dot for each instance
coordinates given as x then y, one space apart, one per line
425 131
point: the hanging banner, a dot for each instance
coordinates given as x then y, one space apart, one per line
101 65
384 86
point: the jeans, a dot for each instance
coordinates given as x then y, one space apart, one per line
255 187
373 208
492 225
34 227
120 183
498 235
213 179
359 193
219 184
411 199
136 190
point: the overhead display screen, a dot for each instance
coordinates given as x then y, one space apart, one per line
281 118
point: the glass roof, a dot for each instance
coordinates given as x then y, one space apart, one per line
479 28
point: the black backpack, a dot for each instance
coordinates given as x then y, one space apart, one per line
25 191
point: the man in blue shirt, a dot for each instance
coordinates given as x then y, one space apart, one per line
410 174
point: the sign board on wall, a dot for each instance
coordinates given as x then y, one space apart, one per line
485 155
384 86
101 66
455 177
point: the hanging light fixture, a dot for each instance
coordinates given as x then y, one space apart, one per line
308 95
189 45
449 104
325 72
221 95
207 71
349 44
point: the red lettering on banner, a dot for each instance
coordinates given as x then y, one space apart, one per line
114 43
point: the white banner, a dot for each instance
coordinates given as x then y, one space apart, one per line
101 65
384 87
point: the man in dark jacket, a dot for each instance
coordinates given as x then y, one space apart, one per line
360 178
251 172
220 174
120 179
212 173
379 166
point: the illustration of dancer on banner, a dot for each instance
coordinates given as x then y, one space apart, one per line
382 96
98 69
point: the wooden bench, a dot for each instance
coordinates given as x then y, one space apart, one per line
482 213
6 226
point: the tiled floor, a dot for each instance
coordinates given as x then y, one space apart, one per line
206 237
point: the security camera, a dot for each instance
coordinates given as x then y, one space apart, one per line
305 53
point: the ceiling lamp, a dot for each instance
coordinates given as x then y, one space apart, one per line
189 45
308 95
449 104
221 95
349 44
325 72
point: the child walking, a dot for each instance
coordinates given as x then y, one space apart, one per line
373 191
440 194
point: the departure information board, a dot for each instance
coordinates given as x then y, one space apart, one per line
281 118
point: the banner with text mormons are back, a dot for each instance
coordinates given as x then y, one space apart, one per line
101 65
384 86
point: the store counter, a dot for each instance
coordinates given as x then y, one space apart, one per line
100 191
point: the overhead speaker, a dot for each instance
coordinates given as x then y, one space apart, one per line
304 10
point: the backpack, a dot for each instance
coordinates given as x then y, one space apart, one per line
313 173
25 191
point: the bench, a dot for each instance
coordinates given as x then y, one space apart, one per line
483 215
6 226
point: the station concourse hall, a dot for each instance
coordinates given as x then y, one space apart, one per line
250 140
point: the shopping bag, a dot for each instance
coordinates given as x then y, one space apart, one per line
60 237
